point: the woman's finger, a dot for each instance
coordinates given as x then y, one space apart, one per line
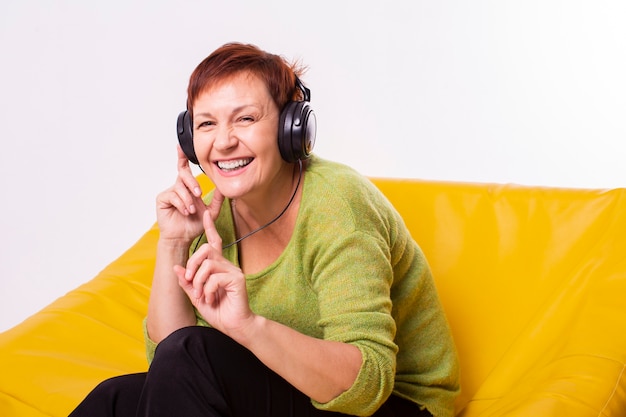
201 277
168 199
185 174
195 261
214 288
215 206
214 239
191 202
187 285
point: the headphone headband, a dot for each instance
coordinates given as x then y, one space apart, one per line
306 93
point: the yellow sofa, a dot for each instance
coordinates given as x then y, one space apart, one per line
533 280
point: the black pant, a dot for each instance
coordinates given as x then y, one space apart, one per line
198 371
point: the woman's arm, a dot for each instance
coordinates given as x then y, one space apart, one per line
321 369
179 214
169 308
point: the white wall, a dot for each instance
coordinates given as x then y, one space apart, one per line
527 91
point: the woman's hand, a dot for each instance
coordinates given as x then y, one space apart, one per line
179 215
319 368
215 286
180 207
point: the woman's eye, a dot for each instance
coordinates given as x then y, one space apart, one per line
246 119
205 124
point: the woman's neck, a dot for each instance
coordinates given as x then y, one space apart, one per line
273 207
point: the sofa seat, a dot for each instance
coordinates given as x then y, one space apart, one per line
533 282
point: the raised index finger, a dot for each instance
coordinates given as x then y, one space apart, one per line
208 220
216 204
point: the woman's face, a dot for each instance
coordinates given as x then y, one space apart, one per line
235 137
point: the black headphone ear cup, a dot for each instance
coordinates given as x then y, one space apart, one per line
296 131
184 130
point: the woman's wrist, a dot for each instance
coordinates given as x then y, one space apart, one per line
248 333
174 243
172 252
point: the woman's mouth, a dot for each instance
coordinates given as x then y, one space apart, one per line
234 164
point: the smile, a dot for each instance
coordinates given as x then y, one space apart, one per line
234 164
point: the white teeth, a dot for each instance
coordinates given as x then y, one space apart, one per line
235 164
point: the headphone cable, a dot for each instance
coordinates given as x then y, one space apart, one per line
293 196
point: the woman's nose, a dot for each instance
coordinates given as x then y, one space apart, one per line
225 138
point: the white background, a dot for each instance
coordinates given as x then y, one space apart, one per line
528 91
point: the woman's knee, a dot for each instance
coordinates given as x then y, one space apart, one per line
184 339
113 396
124 384
195 344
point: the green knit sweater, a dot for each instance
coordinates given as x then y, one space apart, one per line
352 273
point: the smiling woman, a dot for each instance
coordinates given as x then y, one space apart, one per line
312 309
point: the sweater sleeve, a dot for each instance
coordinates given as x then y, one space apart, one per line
353 281
150 344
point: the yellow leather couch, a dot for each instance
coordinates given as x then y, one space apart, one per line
533 281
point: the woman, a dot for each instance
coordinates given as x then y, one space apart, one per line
304 294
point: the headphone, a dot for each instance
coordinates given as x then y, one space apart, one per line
297 128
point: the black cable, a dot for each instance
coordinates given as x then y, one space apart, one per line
293 196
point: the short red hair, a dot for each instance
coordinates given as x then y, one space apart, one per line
231 58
